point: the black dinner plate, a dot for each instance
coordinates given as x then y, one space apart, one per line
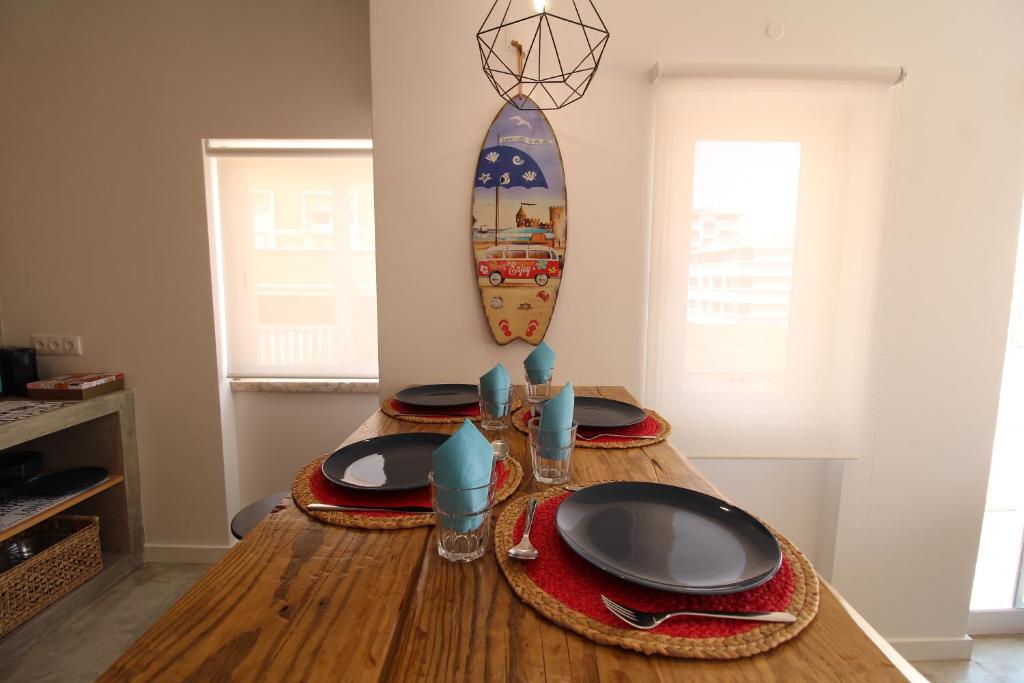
9 488
67 481
604 413
20 464
439 395
668 537
396 462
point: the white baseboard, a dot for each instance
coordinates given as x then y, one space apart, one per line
995 622
185 554
930 649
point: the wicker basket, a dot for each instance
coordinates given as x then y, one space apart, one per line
29 587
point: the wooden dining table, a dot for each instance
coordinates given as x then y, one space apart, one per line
299 600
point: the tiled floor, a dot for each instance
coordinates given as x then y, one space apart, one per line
84 646
995 659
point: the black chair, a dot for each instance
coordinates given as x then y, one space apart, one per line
251 515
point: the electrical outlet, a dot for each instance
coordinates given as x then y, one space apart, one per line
57 344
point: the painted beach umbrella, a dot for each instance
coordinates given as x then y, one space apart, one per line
503 166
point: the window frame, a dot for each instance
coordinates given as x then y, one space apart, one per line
213 150
725 423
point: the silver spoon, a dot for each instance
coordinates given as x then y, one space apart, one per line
524 550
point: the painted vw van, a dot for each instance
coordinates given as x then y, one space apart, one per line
519 263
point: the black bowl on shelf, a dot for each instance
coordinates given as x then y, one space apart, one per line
17 550
20 465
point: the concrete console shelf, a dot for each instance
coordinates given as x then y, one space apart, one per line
95 432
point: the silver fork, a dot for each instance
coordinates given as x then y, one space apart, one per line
617 436
648 620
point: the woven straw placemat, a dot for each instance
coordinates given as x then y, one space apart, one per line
389 408
803 604
303 496
520 420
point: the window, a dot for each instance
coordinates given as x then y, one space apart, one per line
999 576
743 228
769 203
294 228
262 203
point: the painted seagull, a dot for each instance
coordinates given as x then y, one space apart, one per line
520 121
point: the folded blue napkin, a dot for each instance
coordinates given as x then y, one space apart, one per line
465 460
539 363
494 384
557 415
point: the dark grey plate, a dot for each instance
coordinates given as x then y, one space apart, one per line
604 413
396 462
669 538
439 395
20 464
67 481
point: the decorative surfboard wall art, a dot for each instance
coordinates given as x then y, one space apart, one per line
519 223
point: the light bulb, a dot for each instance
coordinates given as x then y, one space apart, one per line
539 5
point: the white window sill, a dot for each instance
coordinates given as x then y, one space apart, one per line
304 386
772 456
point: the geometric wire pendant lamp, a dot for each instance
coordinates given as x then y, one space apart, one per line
559 45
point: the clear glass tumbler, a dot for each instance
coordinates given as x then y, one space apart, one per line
551 451
499 450
537 409
539 391
463 519
495 408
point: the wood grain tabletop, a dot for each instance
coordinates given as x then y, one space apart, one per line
298 600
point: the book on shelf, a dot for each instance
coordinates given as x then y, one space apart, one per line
77 386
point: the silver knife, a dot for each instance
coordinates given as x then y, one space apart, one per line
406 509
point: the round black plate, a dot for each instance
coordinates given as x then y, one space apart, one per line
604 413
9 488
669 538
67 481
396 462
20 464
439 395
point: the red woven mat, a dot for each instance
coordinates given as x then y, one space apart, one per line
576 583
326 491
649 426
458 411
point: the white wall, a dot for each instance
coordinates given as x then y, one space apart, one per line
798 497
103 228
279 433
945 308
428 132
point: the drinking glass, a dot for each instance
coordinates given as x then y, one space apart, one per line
463 519
495 408
537 409
539 391
499 450
551 451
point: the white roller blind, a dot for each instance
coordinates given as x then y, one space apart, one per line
297 258
769 207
